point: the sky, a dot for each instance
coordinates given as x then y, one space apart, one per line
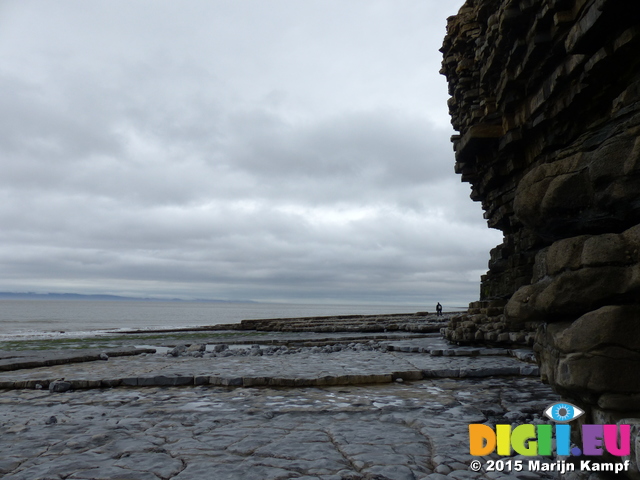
265 150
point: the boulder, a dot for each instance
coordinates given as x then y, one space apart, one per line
58 386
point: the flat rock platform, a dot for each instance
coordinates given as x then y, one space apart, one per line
258 365
306 406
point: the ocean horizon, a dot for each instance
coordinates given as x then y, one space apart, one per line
37 318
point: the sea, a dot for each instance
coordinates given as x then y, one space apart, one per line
37 318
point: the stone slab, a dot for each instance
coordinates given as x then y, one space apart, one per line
17 360
309 366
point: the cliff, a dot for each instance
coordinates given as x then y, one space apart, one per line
545 96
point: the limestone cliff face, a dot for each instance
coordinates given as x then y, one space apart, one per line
545 95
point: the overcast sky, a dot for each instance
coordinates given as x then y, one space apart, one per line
269 150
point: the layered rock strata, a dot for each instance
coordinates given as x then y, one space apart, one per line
545 96
420 322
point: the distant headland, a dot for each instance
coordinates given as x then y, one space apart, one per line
103 297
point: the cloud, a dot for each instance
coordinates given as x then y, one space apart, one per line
290 151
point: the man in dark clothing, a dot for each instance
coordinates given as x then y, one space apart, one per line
438 310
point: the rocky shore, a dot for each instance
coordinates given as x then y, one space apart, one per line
422 322
345 405
545 97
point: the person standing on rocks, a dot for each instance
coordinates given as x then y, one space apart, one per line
438 310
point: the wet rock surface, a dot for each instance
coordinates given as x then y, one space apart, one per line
12 360
364 362
416 428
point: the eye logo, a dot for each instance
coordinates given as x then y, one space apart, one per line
563 412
